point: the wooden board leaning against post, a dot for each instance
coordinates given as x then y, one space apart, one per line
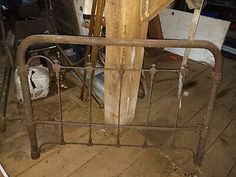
191 35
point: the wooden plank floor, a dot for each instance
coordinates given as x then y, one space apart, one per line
104 161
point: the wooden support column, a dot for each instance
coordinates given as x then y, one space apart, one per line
125 20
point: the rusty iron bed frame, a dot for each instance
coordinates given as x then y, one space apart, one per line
23 67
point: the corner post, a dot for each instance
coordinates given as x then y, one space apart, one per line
31 127
205 131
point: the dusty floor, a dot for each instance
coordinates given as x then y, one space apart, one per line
104 161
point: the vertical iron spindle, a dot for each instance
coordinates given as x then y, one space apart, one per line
89 71
57 69
153 71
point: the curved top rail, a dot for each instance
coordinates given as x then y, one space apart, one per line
64 39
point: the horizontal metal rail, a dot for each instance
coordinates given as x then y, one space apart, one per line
102 125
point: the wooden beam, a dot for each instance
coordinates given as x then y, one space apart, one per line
151 8
123 21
